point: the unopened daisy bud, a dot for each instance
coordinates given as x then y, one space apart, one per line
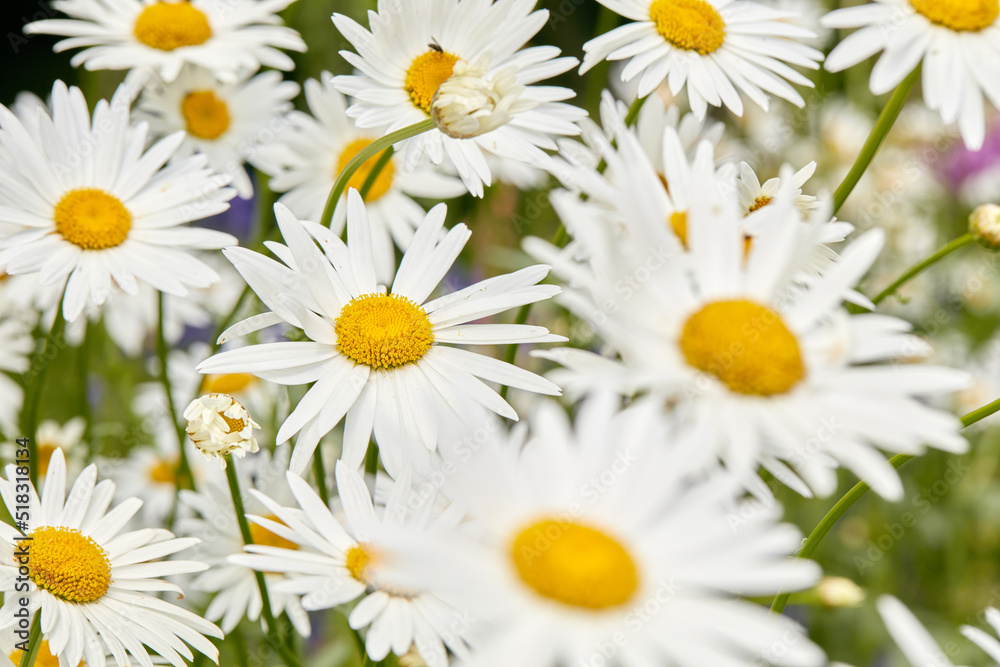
218 425
839 592
470 103
984 223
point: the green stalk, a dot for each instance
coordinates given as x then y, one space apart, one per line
34 641
858 490
371 458
919 267
319 472
383 160
368 152
40 363
185 479
878 134
634 109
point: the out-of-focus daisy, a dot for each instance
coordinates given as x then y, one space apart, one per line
106 217
331 563
589 536
911 636
228 122
958 42
752 195
413 48
374 356
716 49
16 343
307 157
87 576
52 436
233 38
220 426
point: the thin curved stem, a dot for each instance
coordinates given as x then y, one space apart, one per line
40 363
634 109
185 479
34 641
319 472
368 152
383 160
878 134
919 267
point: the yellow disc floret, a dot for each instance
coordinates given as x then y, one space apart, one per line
383 331
959 15
692 25
382 182
759 203
426 74
170 25
358 559
92 219
44 658
745 345
205 115
68 564
575 564
264 536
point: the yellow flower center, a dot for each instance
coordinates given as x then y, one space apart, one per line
759 203
45 452
92 219
227 383
358 559
575 564
426 74
959 15
68 564
745 345
383 331
679 223
205 115
692 25
235 425
163 471
44 658
170 25
263 536
382 182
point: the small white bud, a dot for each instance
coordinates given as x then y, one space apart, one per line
218 424
473 102
839 592
984 223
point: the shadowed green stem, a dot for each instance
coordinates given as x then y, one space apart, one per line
919 267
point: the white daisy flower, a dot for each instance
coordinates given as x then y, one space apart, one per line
710 47
233 38
305 160
374 356
86 577
219 425
958 42
16 343
332 563
228 122
100 211
589 544
49 437
413 48
752 195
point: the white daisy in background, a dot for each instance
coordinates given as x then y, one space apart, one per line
588 537
95 586
306 159
232 38
228 122
958 42
233 587
103 217
377 356
16 344
331 563
51 436
413 48
715 49
752 195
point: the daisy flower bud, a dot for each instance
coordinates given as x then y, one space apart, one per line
218 424
470 103
836 592
984 223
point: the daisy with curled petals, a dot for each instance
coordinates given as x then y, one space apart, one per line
716 49
414 47
94 585
588 537
377 356
331 563
99 211
226 121
305 160
232 38
958 42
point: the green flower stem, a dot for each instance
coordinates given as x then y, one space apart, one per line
34 641
858 490
40 363
319 472
273 635
185 479
383 160
634 109
371 458
919 267
368 152
878 134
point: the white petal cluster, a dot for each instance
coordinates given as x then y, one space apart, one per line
219 425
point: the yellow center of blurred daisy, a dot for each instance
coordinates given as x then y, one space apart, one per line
692 25
759 203
92 219
205 115
44 658
264 536
358 559
383 331
959 15
226 383
163 471
382 182
745 345
170 25
45 452
426 74
68 564
575 564
679 223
